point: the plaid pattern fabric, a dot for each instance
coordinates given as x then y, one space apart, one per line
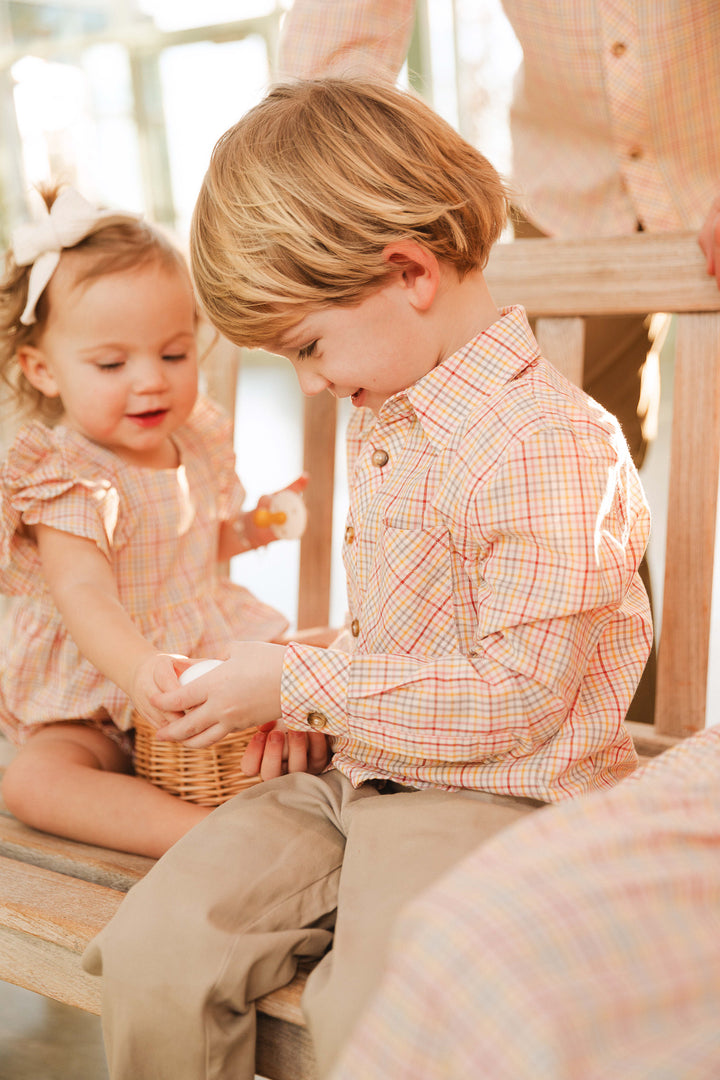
159 528
497 621
581 944
617 107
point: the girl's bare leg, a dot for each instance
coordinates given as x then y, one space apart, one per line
74 781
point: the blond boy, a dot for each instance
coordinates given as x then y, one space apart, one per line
497 624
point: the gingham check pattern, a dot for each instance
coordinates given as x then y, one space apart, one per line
159 528
581 944
616 112
500 625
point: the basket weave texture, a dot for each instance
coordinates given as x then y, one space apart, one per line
207 776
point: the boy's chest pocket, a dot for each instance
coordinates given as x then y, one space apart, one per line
408 603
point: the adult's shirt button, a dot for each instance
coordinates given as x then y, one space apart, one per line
317 720
380 458
349 534
355 628
619 48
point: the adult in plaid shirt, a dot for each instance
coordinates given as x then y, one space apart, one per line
498 625
582 944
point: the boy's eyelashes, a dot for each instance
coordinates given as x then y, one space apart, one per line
306 351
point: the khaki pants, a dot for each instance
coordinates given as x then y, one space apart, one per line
616 350
226 915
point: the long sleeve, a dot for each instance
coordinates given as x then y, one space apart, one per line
607 128
345 37
499 622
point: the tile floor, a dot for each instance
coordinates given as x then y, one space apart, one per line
42 1040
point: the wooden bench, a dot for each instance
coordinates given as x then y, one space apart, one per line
56 894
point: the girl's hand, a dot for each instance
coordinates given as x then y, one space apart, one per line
269 533
272 753
298 485
245 534
156 672
242 692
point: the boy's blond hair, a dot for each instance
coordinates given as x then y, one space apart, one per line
305 192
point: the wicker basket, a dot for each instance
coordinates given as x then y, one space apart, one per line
207 776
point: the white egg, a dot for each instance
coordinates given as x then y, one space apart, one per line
290 504
200 668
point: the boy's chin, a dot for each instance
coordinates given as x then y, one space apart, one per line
363 399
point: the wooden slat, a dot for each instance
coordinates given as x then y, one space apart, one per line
649 742
48 918
47 969
631 274
690 545
283 1051
55 908
284 1004
316 544
113 869
562 342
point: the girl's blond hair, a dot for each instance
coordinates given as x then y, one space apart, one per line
109 250
305 192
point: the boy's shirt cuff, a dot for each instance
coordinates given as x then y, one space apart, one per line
313 689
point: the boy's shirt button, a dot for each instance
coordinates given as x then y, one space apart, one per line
317 720
349 534
355 628
380 458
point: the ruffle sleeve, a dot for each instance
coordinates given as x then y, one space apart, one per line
47 479
214 428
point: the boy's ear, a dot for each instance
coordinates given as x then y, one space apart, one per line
418 269
36 370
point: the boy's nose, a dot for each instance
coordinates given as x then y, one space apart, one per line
311 383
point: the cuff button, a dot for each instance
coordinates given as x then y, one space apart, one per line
317 720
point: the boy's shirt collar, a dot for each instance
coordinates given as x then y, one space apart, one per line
480 369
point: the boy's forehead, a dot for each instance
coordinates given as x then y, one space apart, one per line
291 336
280 344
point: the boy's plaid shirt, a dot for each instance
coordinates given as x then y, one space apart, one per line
497 623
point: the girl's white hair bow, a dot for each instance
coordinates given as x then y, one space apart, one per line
39 243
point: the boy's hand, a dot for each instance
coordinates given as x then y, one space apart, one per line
273 753
242 692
